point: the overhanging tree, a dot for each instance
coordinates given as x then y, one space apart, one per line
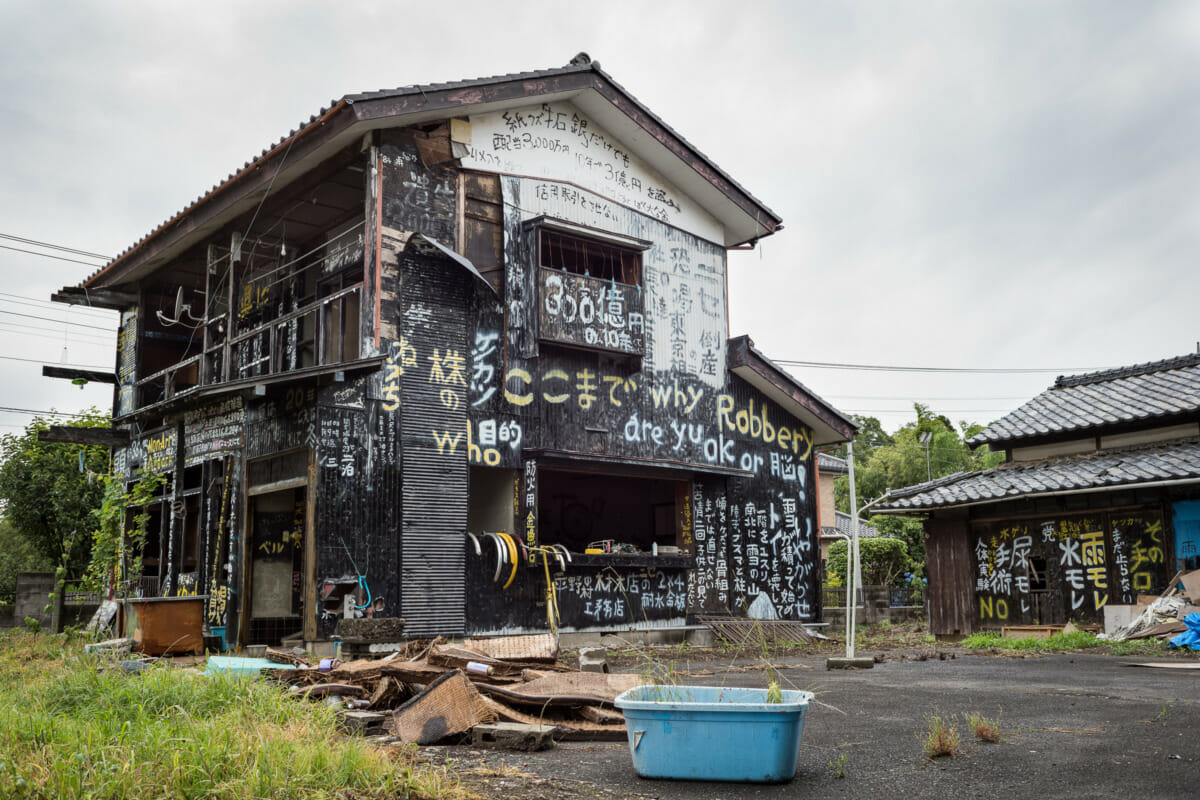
51 490
894 461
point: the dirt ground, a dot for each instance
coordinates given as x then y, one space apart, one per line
1073 725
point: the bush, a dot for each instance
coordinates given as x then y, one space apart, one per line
883 561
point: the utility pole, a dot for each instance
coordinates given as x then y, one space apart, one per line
925 437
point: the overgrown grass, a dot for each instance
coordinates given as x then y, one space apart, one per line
88 732
1064 642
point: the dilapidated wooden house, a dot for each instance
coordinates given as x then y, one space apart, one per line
459 353
1098 502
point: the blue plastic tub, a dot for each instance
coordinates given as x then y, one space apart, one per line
707 733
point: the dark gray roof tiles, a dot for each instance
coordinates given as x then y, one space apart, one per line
842 527
832 464
1077 403
1178 459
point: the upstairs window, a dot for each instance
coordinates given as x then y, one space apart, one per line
590 257
589 285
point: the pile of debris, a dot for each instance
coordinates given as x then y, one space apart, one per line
1163 616
434 691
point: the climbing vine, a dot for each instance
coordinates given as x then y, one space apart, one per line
112 546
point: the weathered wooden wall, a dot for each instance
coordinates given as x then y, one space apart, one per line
948 562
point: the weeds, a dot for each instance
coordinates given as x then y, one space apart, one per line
838 765
985 729
939 739
73 731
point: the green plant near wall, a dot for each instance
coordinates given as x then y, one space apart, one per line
112 546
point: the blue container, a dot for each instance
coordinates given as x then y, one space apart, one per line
707 733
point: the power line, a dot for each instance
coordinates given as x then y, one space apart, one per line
91 264
51 363
82 337
23 240
924 397
106 328
36 411
890 368
23 300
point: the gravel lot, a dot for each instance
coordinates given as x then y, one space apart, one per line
1073 726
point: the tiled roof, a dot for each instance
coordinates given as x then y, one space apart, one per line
832 464
842 521
1143 392
1178 459
582 62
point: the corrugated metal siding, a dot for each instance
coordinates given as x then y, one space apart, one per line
433 425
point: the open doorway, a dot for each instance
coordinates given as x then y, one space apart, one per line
277 539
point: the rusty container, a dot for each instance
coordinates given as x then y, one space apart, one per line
166 625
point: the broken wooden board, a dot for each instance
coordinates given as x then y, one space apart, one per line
1191 585
575 729
450 705
536 647
1161 629
597 684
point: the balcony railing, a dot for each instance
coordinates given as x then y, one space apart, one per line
321 333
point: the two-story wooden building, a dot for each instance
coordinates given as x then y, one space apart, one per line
428 350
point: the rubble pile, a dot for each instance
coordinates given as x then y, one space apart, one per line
1163 617
431 691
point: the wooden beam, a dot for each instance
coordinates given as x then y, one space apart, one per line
104 437
95 298
87 375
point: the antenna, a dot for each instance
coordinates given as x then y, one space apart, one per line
181 308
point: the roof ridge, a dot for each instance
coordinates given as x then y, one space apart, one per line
1083 379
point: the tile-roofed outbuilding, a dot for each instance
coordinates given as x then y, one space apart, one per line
842 526
1175 460
831 464
1154 392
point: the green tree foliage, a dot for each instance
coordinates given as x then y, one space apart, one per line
48 498
895 461
885 461
17 555
884 561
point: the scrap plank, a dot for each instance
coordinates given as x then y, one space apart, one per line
450 705
534 647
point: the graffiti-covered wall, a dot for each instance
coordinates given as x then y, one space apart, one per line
1051 571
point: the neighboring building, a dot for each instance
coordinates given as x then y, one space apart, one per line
440 336
1098 502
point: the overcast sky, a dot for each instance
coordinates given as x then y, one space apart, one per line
993 185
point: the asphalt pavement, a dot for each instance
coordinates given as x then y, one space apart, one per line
1073 726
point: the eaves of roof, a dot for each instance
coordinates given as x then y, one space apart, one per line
829 425
344 120
1162 463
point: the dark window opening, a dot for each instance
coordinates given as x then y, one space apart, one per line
621 513
589 257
